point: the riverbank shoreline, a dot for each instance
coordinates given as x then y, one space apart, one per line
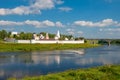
106 72
13 47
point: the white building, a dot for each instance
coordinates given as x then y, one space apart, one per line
47 36
35 36
57 35
45 40
14 33
41 36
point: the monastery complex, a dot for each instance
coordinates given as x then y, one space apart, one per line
46 40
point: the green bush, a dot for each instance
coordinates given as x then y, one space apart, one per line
99 73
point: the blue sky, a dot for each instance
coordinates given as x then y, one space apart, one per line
80 18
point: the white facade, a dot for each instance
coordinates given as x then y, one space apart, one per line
57 35
71 42
45 40
23 41
14 33
50 41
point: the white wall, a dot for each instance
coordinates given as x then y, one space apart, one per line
23 41
56 41
50 41
71 42
43 41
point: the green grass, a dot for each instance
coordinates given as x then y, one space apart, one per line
7 47
108 72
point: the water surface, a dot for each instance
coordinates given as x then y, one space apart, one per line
20 64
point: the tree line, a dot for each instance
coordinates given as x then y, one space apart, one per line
22 35
28 35
113 41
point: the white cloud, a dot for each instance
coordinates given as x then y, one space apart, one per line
34 8
103 23
66 9
73 31
110 30
38 24
79 32
59 24
70 31
83 23
33 23
48 23
10 23
59 1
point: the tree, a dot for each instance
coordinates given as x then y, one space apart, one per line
9 34
79 38
3 34
28 36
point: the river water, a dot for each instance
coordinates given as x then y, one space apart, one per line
21 64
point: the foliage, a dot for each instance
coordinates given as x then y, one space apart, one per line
113 41
27 36
107 72
66 36
91 41
102 42
79 38
24 36
3 34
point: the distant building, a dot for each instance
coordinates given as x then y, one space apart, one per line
35 37
57 35
45 39
72 38
41 36
11 40
47 36
14 33
66 39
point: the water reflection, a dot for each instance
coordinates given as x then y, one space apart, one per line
35 63
46 57
13 58
51 57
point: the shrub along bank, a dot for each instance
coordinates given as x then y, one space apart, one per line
108 72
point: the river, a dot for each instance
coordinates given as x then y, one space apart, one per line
21 64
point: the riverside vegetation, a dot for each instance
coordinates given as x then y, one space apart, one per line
107 72
7 47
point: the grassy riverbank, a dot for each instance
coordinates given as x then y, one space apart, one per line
108 72
7 47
